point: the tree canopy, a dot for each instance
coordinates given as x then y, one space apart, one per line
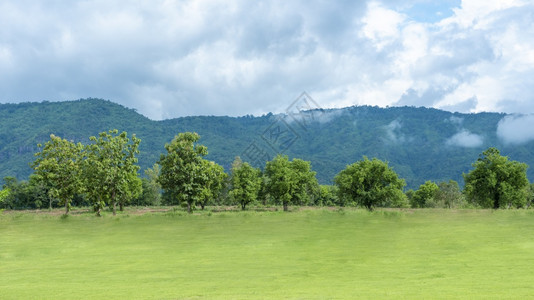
370 183
111 169
245 183
496 182
290 181
185 175
213 180
59 165
424 196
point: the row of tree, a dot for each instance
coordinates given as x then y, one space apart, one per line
105 173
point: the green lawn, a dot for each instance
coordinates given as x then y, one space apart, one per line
309 254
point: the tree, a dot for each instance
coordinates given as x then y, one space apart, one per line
59 165
279 183
19 196
212 182
290 182
409 195
132 189
151 188
181 169
530 197
449 194
4 194
305 186
36 192
424 196
245 183
370 183
327 196
110 167
496 181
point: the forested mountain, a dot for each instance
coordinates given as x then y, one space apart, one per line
420 143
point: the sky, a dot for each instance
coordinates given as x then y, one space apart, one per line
170 59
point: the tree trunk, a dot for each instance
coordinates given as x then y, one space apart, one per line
114 203
202 206
50 204
188 207
121 206
496 201
243 206
66 207
97 207
285 206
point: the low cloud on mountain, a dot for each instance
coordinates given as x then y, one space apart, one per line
516 129
465 139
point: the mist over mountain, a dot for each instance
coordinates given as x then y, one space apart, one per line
419 143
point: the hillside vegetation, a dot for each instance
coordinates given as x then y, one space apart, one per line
419 143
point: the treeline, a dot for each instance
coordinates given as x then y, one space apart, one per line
104 173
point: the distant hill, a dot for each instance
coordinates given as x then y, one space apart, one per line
420 143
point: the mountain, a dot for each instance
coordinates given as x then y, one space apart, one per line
419 143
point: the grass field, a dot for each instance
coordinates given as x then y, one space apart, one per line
307 254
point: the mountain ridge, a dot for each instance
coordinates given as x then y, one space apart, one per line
419 143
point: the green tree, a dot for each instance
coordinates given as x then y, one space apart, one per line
37 192
327 196
213 182
496 181
530 197
12 199
4 195
151 188
409 195
279 183
132 189
245 183
59 165
110 167
449 194
182 169
370 183
305 185
424 196
290 182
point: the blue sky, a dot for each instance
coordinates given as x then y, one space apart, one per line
428 11
177 58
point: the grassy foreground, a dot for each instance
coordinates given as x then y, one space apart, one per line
309 254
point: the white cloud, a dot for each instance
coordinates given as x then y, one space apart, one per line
465 139
394 134
458 121
315 116
381 25
478 13
176 58
5 57
516 129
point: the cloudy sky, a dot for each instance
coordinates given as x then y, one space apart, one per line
177 58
